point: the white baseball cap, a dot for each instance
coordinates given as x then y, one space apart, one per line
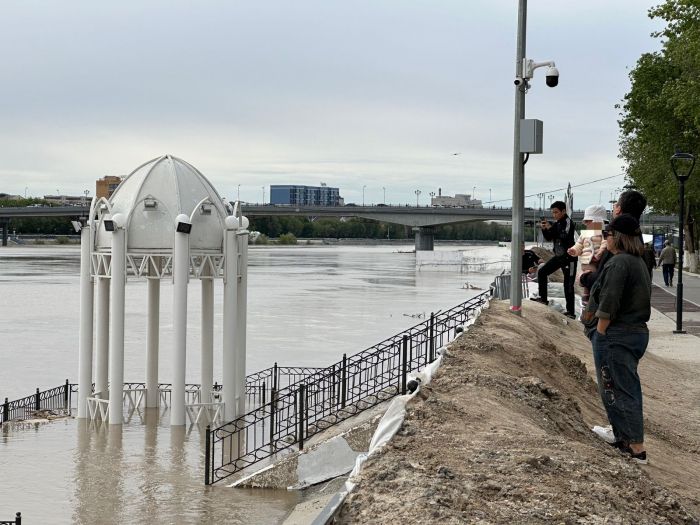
595 213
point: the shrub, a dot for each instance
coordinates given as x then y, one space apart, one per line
287 238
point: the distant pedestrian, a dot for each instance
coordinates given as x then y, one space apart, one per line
561 233
621 306
667 260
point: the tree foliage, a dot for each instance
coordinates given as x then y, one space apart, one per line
661 113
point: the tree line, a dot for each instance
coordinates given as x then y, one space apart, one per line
36 225
661 115
358 228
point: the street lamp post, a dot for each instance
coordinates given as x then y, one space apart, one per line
490 199
417 192
524 71
263 194
432 195
384 190
363 194
682 165
238 194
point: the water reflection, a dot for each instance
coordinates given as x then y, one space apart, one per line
148 472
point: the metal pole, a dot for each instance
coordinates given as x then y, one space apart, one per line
679 283
152 338
207 454
516 236
432 337
230 315
6 411
300 416
37 400
181 271
116 334
241 319
404 362
207 343
86 321
344 381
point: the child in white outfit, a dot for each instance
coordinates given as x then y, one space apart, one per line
590 244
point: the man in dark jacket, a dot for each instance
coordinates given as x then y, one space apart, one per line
561 233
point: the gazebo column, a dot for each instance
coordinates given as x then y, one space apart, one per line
181 270
230 389
116 335
102 336
241 318
207 358
86 314
153 337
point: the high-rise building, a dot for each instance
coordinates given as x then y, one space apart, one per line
305 195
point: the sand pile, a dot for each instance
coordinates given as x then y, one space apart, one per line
502 435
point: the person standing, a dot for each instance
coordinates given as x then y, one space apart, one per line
561 233
621 306
667 260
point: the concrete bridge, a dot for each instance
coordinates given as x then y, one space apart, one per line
423 219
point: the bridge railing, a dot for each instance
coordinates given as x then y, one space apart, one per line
330 395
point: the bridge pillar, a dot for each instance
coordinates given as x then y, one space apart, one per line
424 238
5 227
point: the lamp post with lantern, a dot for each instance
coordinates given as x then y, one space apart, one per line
682 165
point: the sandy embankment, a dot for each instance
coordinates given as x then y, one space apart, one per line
502 435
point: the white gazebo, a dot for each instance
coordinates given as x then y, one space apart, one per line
165 220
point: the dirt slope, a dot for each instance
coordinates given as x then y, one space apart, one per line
502 435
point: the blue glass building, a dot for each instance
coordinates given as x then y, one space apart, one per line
304 195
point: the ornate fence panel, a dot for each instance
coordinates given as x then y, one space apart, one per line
289 415
51 399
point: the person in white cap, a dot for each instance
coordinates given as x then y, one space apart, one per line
590 244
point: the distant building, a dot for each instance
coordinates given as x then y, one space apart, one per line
305 195
105 186
66 200
460 200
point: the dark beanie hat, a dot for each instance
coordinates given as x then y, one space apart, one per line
625 223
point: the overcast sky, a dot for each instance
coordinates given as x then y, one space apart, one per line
365 93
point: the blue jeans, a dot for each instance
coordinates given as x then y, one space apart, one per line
616 356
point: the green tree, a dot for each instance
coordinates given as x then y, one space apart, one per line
661 113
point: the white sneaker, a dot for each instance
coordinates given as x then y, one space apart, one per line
604 433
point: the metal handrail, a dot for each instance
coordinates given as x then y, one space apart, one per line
330 395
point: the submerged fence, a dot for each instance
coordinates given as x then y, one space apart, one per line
296 412
51 399
258 388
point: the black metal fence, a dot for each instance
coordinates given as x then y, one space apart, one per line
330 395
51 399
258 387
16 521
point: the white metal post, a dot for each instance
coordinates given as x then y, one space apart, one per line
241 319
153 340
116 335
102 337
86 314
207 357
230 317
181 270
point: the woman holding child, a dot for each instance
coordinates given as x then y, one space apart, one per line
616 319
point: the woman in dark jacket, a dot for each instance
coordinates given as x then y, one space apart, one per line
621 302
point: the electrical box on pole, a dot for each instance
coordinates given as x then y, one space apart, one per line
530 135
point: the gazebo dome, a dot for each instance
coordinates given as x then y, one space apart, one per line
151 198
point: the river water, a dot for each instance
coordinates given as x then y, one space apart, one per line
307 305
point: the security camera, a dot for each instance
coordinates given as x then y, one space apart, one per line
552 77
183 224
519 81
109 225
76 226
